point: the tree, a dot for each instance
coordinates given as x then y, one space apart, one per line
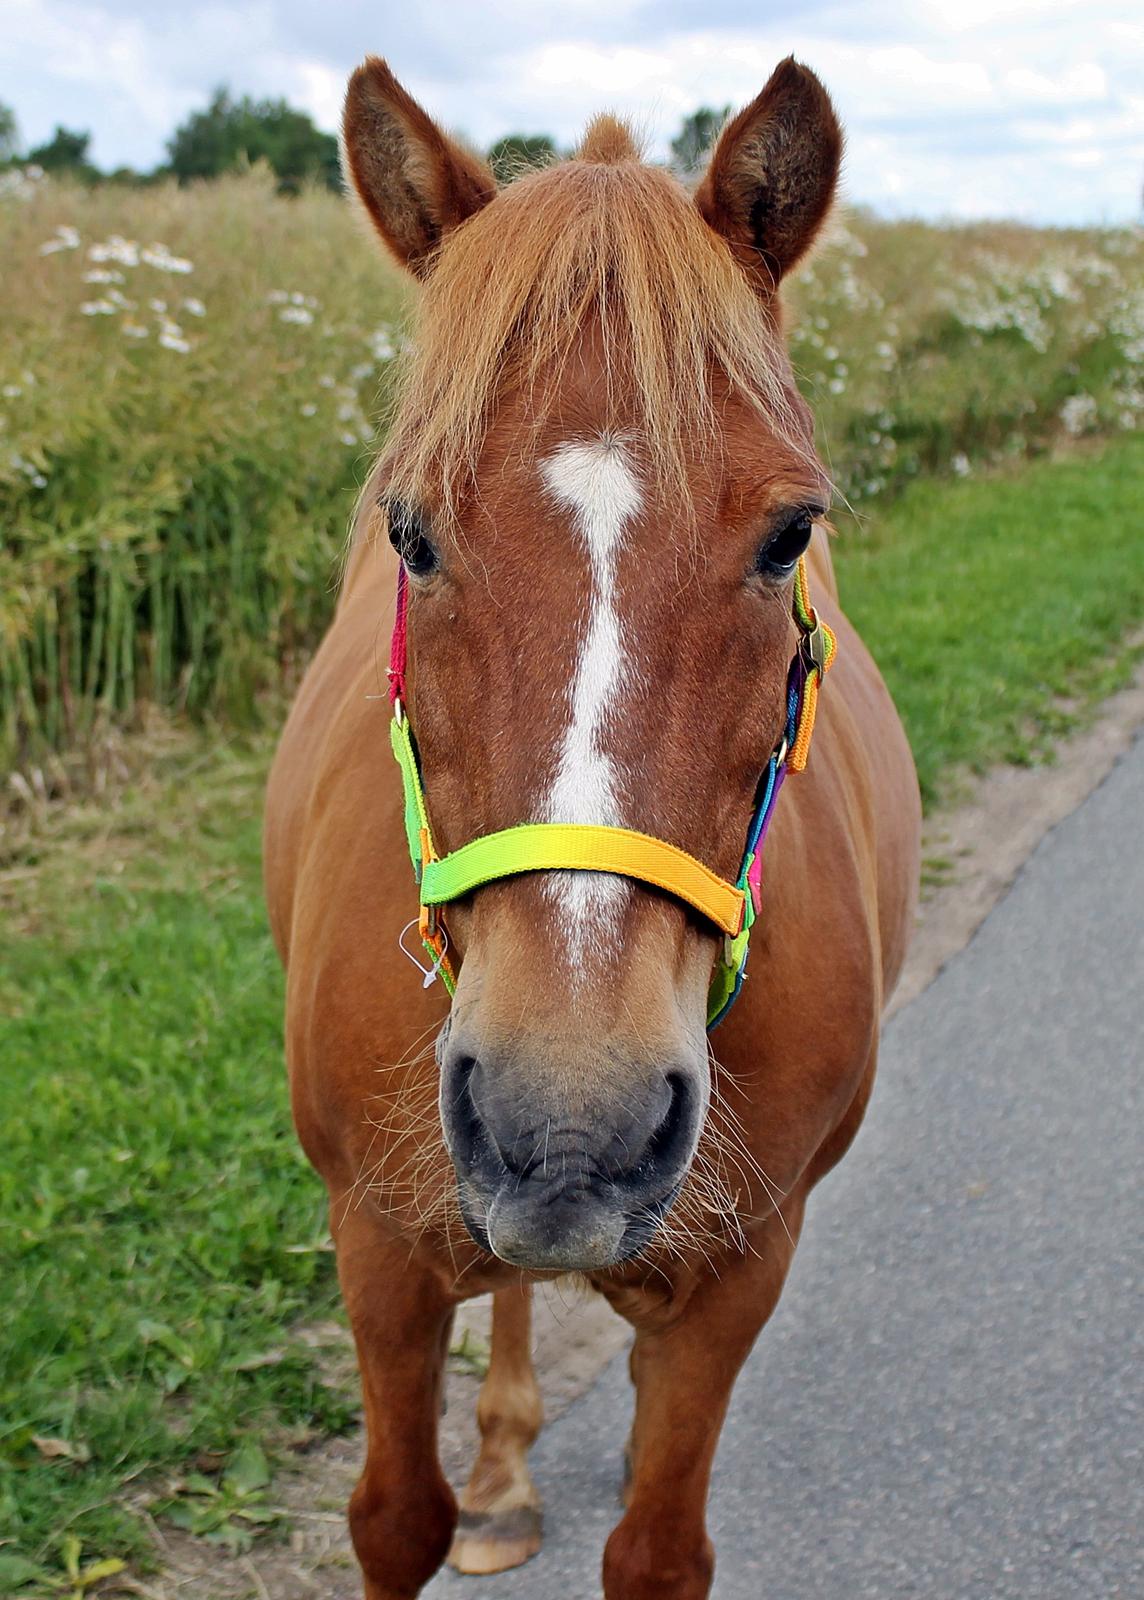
65 151
517 153
230 133
696 137
9 135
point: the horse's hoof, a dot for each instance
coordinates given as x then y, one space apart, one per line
494 1541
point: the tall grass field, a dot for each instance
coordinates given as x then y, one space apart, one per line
190 381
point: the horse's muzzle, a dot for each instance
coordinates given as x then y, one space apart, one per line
560 1180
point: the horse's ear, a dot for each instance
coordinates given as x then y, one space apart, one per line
772 177
414 181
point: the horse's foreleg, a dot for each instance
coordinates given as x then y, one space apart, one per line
684 1373
402 1512
500 1521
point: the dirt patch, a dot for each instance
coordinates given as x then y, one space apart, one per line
973 852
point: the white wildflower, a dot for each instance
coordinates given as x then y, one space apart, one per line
382 345
98 308
327 381
278 297
133 330
349 438
364 369
193 307
158 256
300 299
103 275
837 385
20 183
1001 301
67 238
1058 283
1078 414
296 313
174 341
124 251
11 391
309 409
960 465
158 305
29 468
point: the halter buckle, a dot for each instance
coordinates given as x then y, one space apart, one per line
814 646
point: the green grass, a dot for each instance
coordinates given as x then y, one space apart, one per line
991 604
160 1229
160 1233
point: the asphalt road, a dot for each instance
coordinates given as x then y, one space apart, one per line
949 1402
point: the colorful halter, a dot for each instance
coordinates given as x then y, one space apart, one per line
581 847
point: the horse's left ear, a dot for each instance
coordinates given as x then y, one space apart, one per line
774 172
415 182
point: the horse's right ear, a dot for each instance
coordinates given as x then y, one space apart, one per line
773 175
414 181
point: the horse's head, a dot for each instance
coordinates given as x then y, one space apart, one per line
600 479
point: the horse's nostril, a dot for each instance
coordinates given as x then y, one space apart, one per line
477 1125
458 1110
670 1142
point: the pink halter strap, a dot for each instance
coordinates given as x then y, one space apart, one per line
397 644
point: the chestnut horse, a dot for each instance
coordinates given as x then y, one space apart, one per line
600 481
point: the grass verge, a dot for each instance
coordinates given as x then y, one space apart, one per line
995 607
160 1233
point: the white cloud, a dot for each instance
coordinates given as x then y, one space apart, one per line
911 74
1085 81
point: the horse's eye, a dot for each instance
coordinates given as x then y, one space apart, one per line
408 537
779 555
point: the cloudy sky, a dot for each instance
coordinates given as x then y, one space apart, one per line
1025 108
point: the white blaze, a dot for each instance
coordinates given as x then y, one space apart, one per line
596 484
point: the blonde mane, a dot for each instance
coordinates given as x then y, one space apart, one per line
600 235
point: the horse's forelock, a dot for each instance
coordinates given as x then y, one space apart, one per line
512 290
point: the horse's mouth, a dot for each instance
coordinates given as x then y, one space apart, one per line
582 1227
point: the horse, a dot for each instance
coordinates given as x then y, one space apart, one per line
589 593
